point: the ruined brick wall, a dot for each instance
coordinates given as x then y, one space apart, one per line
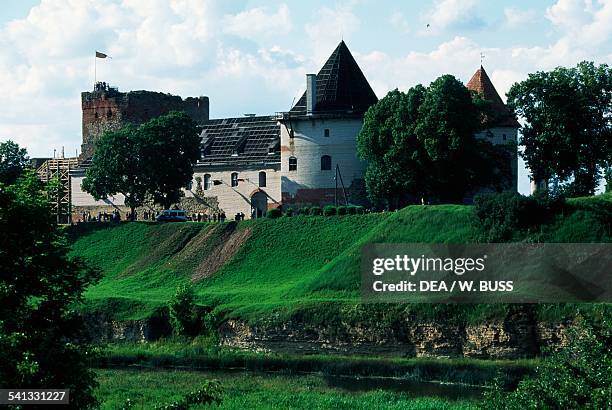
107 109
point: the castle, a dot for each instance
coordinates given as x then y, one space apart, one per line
305 156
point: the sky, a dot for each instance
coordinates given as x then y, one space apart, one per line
252 56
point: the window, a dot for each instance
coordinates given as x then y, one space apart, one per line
234 179
326 132
206 182
325 163
504 137
292 164
262 179
189 185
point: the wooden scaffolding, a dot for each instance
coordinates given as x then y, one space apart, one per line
61 199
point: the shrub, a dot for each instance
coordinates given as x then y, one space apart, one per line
315 210
352 210
304 211
289 212
329 210
579 376
343 210
182 310
360 210
209 393
502 215
274 213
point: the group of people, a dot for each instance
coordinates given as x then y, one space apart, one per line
114 216
216 217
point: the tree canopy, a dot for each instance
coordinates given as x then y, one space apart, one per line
13 160
567 136
39 288
152 160
421 145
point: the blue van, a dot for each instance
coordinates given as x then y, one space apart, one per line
172 215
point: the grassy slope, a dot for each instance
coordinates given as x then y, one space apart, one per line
285 262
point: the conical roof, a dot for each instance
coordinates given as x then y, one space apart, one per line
481 83
341 86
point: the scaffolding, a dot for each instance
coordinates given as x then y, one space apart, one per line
61 199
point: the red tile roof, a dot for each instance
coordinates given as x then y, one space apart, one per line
481 83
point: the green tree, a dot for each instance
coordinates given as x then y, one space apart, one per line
170 147
116 168
422 145
154 160
577 377
397 162
39 288
568 130
13 160
183 312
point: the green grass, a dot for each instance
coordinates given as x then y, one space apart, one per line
253 391
285 264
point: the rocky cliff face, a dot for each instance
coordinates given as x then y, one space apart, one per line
504 339
516 336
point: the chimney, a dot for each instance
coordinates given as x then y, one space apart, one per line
311 92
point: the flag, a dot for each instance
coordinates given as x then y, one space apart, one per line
101 55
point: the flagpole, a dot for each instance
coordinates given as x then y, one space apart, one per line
95 70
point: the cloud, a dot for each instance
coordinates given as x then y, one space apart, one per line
255 21
519 18
328 27
453 15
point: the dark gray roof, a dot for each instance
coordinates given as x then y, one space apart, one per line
341 86
241 141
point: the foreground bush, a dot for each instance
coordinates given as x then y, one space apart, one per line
578 377
343 210
289 212
315 211
329 210
274 213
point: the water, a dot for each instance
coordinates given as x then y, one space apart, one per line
352 384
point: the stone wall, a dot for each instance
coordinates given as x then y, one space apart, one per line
107 109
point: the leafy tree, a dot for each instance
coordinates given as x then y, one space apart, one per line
183 312
154 160
421 145
13 160
397 162
568 130
170 146
577 377
116 168
39 287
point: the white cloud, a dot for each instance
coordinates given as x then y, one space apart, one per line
255 22
328 28
453 14
519 18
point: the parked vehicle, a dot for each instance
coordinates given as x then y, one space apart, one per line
172 215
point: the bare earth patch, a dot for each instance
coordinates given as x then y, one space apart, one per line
230 242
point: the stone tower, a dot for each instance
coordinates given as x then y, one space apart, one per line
107 109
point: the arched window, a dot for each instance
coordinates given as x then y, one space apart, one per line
292 164
325 163
262 179
234 179
206 182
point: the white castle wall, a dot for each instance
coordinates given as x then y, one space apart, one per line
82 198
233 200
309 144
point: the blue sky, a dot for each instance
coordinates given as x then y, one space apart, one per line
252 56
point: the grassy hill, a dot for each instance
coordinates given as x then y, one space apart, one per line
255 267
